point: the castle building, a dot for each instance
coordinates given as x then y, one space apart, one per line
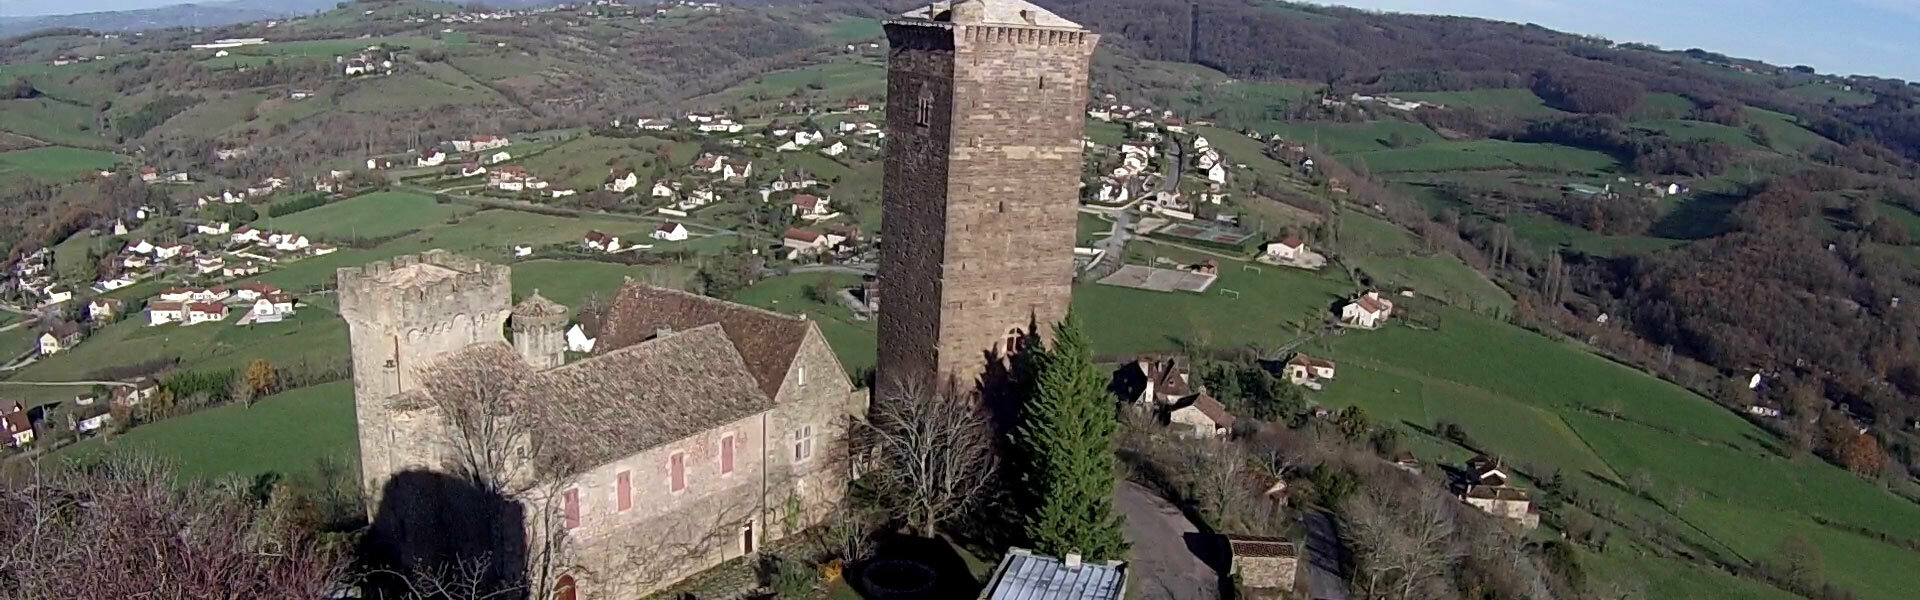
986 104
697 431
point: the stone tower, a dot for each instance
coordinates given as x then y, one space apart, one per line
539 331
400 315
986 105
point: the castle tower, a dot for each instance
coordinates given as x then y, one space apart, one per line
539 331
402 314
986 105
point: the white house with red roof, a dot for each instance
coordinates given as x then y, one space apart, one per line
1308 371
431 157
162 312
205 312
603 242
810 207
621 180
1368 311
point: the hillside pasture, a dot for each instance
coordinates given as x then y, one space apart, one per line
377 214
1785 130
52 121
1350 138
51 164
1488 155
411 91
285 433
1519 102
1831 93
1684 129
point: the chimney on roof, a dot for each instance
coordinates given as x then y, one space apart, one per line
1073 560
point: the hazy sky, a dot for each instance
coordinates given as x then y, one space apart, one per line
1868 37
1874 37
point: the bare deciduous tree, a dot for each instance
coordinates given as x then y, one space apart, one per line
126 527
933 451
1403 536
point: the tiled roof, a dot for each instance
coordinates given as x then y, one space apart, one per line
1308 361
1261 546
1214 410
537 305
766 340
621 402
1497 492
801 235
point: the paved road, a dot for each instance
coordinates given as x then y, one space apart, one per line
1162 560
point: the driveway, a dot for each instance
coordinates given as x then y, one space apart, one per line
1162 560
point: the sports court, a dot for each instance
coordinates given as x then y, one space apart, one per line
1160 279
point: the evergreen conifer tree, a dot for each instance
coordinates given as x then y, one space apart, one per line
1066 440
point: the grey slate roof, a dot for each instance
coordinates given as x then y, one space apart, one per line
1024 575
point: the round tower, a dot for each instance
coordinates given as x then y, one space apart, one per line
539 331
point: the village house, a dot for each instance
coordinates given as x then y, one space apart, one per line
671 231
621 180
499 157
209 264
57 293
700 197
801 139
149 174
662 189
172 250
810 207
1201 416
324 185
162 312
19 424
375 164
108 285
246 235
88 415
1367 312
431 157
265 310
61 337
801 243
1286 250
723 166
240 269
205 312
138 247
1487 486
252 291
596 240
793 180
101 309
480 143
1155 381
835 149
289 242
1265 566
1303 370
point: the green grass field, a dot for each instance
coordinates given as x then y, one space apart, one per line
285 433
1785 130
1348 138
1488 154
50 164
413 90
1662 105
827 83
52 121
215 114
312 333
1827 92
1682 129
1518 102
573 282
852 340
373 215
584 162
1388 254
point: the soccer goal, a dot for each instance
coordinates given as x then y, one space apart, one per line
1230 293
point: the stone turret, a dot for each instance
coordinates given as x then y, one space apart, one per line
401 315
539 331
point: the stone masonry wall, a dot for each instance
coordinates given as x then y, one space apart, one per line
394 331
666 536
914 201
1013 112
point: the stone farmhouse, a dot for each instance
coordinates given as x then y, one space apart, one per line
697 431
1265 566
1487 487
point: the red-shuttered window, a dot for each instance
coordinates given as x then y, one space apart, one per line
677 465
726 454
623 490
573 508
